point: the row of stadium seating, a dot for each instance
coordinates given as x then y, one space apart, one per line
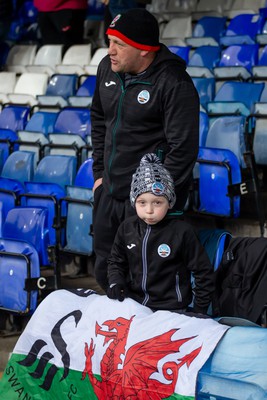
168 9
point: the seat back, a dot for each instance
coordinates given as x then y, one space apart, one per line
14 269
87 88
203 128
244 24
7 143
49 54
241 92
47 195
63 85
245 55
8 81
14 117
245 6
21 54
228 133
263 57
181 51
29 224
58 169
99 54
218 168
84 177
20 166
79 54
10 190
260 140
215 241
205 88
74 120
205 56
178 27
210 26
31 83
79 221
42 121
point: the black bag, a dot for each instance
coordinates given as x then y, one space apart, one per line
241 279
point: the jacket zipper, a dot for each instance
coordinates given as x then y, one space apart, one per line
177 289
144 264
114 131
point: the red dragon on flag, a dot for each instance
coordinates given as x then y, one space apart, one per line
129 373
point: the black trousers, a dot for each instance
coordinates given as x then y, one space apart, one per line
107 216
62 27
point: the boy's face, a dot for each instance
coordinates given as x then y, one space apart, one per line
150 208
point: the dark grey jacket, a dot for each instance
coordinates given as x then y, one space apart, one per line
158 262
158 113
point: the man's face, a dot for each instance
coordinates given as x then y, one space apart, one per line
123 57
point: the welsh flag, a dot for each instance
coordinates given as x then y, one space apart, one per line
79 345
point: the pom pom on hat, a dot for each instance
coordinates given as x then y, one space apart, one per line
136 27
151 176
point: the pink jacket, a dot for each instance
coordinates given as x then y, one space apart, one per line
55 5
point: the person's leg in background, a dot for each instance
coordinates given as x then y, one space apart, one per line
108 214
62 27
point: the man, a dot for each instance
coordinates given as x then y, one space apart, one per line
144 102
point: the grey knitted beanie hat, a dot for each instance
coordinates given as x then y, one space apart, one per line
151 176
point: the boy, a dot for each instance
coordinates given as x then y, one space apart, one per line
155 253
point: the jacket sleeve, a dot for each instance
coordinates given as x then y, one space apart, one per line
98 131
197 261
181 127
118 265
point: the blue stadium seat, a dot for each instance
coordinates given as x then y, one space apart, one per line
84 176
236 62
181 51
59 169
14 117
207 31
84 94
242 29
218 168
30 225
60 87
206 90
71 132
259 71
203 61
203 127
35 135
24 250
18 261
53 174
259 133
236 98
10 190
227 133
78 227
19 166
8 143
215 242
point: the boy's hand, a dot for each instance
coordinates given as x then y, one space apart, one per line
117 291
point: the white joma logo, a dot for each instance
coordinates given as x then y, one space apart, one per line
110 83
130 246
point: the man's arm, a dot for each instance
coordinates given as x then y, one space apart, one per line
181 126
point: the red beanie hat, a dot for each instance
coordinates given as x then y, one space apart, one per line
136 27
